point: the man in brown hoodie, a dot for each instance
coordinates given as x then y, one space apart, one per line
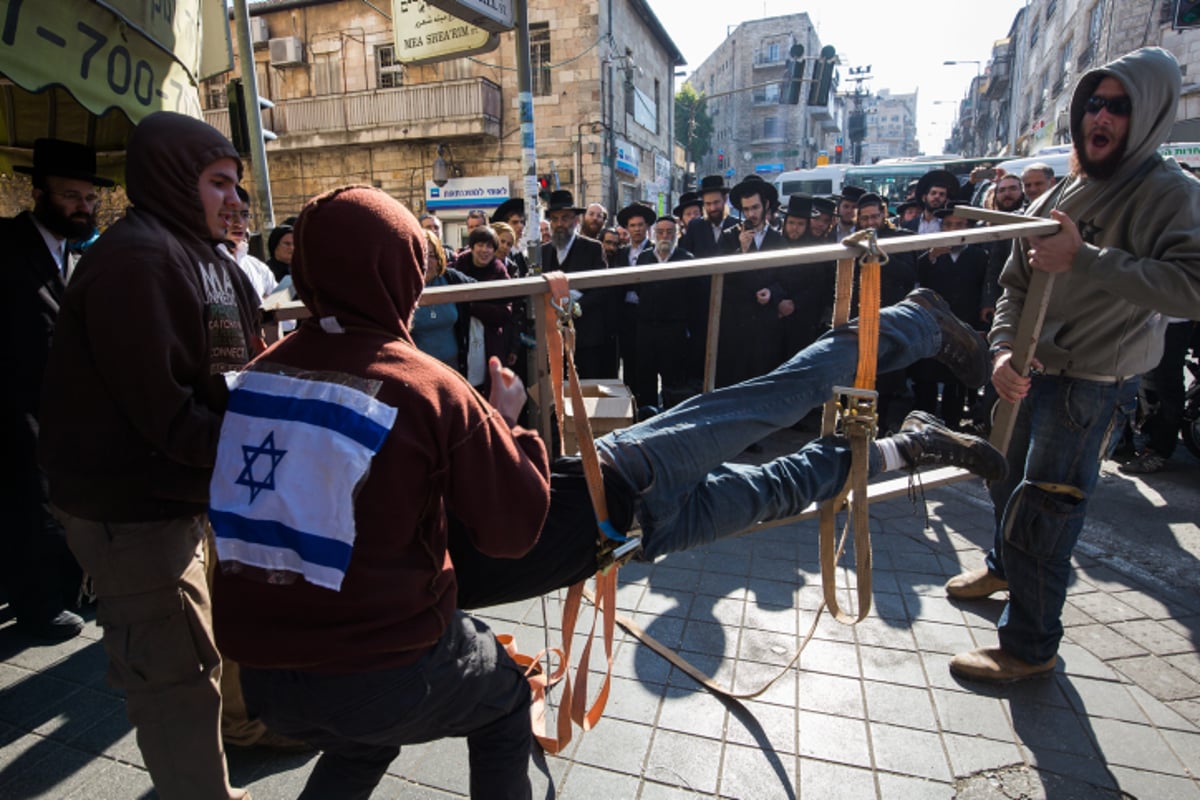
130 418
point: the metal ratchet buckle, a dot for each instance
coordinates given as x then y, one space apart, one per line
616 554
856 410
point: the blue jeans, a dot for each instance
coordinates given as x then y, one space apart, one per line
674 461
1061 431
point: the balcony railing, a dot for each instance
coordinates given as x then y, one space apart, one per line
446 109
764 59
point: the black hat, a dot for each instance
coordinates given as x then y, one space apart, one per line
907 204
713 183
800 205
947 211
824 205
636 210
937 177
562 200
754 184
852 193
63 159
687 200
513 205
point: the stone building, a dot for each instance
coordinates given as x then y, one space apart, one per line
348 109
1025 92
752 131
891 126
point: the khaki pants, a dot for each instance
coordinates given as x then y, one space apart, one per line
153 605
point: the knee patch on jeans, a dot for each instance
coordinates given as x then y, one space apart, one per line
1039 517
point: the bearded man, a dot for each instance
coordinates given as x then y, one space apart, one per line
36 568
1126 258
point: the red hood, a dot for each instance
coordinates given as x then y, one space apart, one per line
360 258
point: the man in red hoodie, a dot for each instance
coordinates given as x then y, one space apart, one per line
343 449
131 412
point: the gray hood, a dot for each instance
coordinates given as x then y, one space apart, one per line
1152 79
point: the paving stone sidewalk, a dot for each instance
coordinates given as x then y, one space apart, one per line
872 711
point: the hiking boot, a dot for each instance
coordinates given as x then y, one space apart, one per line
924 441
1146 462
964 350
975 585
993 665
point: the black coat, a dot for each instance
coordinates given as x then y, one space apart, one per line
698 237
670 300
599 320
963 283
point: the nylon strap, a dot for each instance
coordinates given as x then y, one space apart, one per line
560 335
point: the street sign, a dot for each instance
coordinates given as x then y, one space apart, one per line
495 16
424 34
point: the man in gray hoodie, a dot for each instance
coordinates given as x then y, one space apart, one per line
1126 255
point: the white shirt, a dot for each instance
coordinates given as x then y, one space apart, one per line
929 225
55 245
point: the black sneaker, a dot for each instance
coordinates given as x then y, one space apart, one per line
64 625
924 441
964 350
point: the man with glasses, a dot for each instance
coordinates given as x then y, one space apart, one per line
1125 257
37 570
238 232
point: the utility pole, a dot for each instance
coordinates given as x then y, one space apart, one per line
265 212
528 141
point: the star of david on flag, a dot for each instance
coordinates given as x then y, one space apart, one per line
292 453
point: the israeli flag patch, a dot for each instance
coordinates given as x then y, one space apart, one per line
291 454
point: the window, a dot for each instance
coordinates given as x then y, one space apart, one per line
1095 25
388 73
214 96
773 52
1064 60
1051 7
771 128
1034 34
539 54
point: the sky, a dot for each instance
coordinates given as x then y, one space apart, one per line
904 43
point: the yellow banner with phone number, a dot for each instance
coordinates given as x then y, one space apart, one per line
138 56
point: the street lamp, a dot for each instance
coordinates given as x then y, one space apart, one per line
975 98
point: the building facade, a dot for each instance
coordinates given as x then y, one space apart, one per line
891 126
752 132
1025 94
348 109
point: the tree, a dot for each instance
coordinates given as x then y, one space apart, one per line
693 125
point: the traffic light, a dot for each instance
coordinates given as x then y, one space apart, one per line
545 185
720 162
239 126
1187 14
689 181
837 154
789 94
818 93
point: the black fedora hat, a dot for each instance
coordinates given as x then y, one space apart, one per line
824 205
937 177
562 200
948 211
754 184
513 205
64 159
851 193
713 183
800 205
687 200
636 210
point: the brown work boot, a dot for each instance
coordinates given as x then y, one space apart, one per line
964 350
993 665
975 585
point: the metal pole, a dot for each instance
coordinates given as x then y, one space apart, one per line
265 213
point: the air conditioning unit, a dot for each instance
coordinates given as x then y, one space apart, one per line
260 34
287 52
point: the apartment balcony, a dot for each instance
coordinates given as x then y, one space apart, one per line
999 73
443 110
764 59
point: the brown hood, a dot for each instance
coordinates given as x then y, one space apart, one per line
359 258
166 154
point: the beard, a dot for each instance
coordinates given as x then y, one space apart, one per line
1100 169
75 228
1013 205
663 250
559 237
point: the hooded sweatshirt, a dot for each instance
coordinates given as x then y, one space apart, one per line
152 317
359 268
1140 257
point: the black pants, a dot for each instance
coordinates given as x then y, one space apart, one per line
465 686
1163 390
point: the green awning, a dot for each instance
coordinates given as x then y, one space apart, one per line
88 70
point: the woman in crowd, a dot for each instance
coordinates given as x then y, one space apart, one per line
441 330
490 331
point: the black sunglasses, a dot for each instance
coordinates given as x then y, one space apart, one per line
1117 106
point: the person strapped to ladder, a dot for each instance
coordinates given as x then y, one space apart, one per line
364 493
